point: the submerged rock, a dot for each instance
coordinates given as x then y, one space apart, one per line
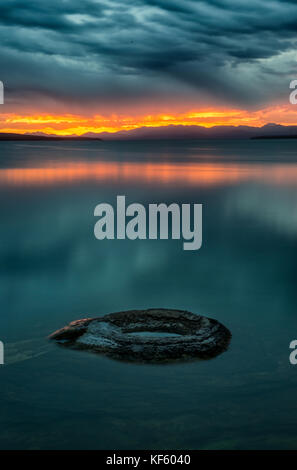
189 336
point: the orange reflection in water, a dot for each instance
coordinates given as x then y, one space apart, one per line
202 174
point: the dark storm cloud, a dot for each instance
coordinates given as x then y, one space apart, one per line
227 50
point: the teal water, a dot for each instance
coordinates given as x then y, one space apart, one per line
53 270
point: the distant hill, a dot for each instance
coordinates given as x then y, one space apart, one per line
199 132
34 137
269 137
172 132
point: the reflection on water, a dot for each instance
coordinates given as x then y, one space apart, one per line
53 271
275 209
201 174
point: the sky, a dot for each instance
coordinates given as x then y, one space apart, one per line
76 66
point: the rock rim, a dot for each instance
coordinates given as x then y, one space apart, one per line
190 336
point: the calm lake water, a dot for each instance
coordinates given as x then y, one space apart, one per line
53 271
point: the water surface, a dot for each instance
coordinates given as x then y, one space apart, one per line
53 270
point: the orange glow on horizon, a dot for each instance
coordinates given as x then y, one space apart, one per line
74 124
202 174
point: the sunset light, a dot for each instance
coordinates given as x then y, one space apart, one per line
75 124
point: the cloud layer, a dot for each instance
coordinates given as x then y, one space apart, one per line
112 54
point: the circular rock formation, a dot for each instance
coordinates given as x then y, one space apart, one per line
181 336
